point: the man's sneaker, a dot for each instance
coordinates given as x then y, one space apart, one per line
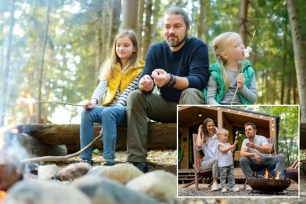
142 166
235 189
214 187
223 190
248 188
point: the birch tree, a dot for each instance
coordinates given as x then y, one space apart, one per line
299 55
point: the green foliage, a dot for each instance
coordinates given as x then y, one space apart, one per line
73 56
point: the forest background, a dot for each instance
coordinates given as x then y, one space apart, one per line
51 50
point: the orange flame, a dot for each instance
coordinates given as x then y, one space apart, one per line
277 174
2 195
266 175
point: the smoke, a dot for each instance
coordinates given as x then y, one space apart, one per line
14 143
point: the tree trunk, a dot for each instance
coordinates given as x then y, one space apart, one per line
202 20
160 135
283 75
4 96
99 43
139 27
148 27
243 19
299 55
129 14
116 10
42 63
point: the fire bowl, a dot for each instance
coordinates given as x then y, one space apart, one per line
269 185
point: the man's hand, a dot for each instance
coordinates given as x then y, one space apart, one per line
258 158
161 77
146 83
250 145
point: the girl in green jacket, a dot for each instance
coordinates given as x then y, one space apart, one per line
232 79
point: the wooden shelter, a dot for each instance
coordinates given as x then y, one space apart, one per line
228 117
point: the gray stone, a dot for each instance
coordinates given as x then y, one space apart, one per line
158 184
106 191
122 173
46 192
73 171
96 170
46 172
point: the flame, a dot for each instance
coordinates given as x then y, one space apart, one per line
277 174
266 175
2 195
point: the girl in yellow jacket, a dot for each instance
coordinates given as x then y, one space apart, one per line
118 77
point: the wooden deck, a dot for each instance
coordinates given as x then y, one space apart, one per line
187 175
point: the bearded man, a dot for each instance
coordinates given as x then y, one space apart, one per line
178 67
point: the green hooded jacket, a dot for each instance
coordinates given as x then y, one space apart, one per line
216 72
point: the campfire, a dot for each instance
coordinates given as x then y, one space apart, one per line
2 195
269 182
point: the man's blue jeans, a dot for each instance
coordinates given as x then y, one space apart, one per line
276 163
110 117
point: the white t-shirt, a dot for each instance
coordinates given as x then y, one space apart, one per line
258 140
225 159
210 149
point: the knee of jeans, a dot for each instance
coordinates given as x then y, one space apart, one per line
85 114
107 112
243 159
280 158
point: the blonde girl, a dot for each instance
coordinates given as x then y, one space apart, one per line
119 76
231 70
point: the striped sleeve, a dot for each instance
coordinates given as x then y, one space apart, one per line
100 90
122 100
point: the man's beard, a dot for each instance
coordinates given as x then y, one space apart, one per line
177 43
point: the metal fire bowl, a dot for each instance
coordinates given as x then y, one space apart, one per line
269 185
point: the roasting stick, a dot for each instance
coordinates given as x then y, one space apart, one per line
61 158
61 103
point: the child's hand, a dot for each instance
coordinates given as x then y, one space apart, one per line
236 142
240 80
90 104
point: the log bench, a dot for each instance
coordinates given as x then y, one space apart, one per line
160 135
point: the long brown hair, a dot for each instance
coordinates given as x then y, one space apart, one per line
106 68
204 134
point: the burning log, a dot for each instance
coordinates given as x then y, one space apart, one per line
10 170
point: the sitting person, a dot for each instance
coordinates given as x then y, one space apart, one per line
225 161
119 76
232 79
256 154
207 142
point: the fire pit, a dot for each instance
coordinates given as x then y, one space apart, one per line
269 185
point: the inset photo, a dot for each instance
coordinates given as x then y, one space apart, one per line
238 151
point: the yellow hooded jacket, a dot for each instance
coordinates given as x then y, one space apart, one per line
121 80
